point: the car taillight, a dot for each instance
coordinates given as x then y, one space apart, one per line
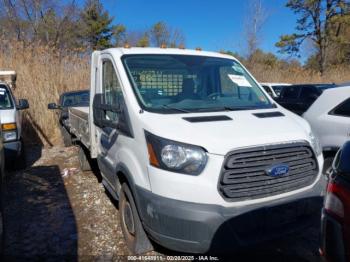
333 204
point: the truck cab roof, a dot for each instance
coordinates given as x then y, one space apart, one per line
8 78
118 52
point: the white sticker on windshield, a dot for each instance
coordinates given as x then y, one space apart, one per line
239 80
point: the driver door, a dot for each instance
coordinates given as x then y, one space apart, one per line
108 134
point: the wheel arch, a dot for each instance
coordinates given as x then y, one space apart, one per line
124 176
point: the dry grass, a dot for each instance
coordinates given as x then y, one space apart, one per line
44 73
297 75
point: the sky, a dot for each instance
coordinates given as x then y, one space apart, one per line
210 24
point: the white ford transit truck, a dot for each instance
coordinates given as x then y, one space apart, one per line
198 155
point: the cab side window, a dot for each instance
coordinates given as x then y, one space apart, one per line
111 89
343 109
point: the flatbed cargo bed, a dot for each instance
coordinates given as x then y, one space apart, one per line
79 124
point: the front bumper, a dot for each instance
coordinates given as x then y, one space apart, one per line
332 242
12 149
200 228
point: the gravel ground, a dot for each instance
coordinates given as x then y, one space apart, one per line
71 217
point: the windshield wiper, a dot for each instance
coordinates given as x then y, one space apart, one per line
176 108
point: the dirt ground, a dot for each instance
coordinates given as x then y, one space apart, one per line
56 216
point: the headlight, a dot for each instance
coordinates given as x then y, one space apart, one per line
9 131
315 143
9 136
175 156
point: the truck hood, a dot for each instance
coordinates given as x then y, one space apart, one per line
220 137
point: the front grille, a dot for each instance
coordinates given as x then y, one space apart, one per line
243 175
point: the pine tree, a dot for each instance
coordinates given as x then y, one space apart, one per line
96 25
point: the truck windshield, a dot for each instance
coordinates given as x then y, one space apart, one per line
184 83
5 98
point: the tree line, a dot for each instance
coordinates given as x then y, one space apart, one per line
67 25
322 25
325 26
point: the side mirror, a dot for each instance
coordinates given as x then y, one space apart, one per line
100 110
53 106
341 163
22 104
97 110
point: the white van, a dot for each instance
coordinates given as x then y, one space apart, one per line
329 116
11 119
198 155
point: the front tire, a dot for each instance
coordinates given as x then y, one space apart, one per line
133 232
66 136
83 160
17 162
22 158
2 201
2 232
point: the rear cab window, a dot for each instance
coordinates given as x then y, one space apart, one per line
76 99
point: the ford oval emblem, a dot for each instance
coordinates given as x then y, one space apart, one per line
277 170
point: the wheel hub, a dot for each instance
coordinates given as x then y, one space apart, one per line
129 219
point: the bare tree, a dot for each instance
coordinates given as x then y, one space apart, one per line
177 38
256 18
160 33
136 38
50 21
119 35
321 21
10 19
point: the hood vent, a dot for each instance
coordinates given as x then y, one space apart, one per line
199 119
269 114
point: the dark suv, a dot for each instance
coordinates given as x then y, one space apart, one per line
298 98
335 245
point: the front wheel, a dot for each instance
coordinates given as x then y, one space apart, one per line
66 136
18 161
133 232
83 160
2 195
2 233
